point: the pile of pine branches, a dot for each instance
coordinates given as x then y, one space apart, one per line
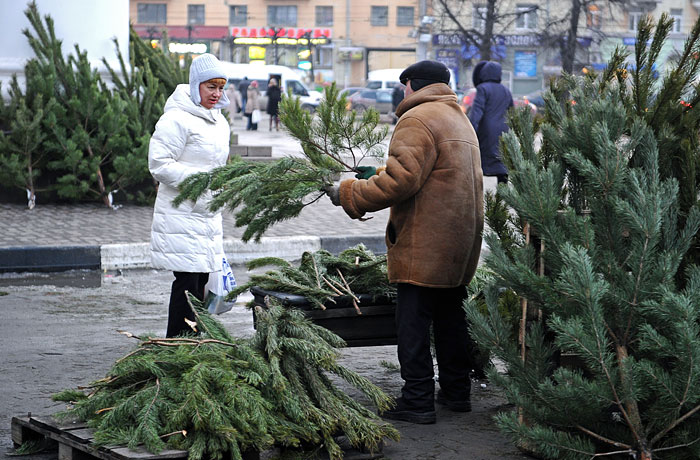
321 277
217 396
333 140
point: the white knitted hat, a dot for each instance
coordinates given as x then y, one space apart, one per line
204 68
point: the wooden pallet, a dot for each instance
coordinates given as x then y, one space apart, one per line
74 442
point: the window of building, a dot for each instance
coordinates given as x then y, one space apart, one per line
404 15
593 17
324 57
634 18
677 16
238 15
379 16
324 15
195 14
479 17
282 16
151 13
526 17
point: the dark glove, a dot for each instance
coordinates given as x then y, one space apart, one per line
333 192
365 172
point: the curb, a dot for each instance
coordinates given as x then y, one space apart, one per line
49 258
137 255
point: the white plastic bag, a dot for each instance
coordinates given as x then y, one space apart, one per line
255 116
217 288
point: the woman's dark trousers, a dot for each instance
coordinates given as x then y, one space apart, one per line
179 309
417 307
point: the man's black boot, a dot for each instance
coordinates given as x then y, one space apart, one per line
408 413
457 405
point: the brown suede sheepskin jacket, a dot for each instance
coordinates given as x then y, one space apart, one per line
434 186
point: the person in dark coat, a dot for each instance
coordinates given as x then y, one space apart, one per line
243 89
488 116
274 95
396 98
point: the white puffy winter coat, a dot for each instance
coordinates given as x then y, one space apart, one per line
188 139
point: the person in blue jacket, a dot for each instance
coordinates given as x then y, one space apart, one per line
488 116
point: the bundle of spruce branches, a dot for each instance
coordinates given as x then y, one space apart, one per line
216 396
321 277
333 140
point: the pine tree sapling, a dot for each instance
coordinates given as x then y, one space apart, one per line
216 396
333 141
21 157
89 139
606 287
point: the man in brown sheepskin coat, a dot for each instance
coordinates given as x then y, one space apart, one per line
433 184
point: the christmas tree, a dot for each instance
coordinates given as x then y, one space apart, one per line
610 332
23 159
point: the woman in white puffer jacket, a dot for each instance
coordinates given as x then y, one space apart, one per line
191 136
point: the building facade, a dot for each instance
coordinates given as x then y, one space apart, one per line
528 34
342 41
334 41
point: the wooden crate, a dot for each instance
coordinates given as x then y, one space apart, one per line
375 326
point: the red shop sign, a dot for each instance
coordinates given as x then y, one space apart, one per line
289 32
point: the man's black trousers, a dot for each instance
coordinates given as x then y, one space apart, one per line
179 309
417 307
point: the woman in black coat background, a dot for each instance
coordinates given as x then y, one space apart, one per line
488 116
274 95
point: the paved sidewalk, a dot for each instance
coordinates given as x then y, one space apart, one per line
85 235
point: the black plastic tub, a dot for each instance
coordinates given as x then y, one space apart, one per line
375 326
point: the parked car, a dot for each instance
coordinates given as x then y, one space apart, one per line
535 98
380 100
350 90
288 78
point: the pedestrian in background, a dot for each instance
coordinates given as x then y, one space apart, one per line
243 89
433 184
396 98
488 116
253 96
191 136
274 95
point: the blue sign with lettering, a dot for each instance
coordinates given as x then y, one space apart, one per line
525 64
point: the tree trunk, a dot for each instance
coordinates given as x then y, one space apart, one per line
100 180
568 45
487 37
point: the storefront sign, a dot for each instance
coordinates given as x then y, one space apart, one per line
351 53
525 64
280 41
448 56
290 32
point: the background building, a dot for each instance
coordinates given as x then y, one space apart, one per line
528 35
340 41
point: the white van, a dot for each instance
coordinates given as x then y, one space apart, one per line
389 78
289 79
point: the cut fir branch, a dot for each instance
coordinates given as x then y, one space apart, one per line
333 140
321 277
217 396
